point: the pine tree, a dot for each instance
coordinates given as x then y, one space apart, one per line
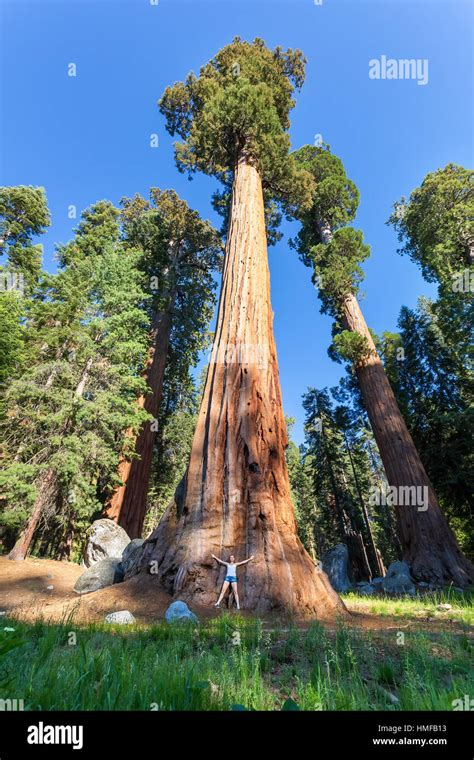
235 496
24 214
68 411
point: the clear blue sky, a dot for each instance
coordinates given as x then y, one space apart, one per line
87 138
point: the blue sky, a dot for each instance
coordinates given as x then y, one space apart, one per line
88 137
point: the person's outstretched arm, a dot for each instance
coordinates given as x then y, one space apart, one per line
244 561
221 561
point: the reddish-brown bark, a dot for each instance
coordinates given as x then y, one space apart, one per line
129 502
428 543
235 496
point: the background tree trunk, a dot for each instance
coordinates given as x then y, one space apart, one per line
235 496
47 489
428 544
129 502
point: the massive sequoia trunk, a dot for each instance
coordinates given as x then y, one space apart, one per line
235 496
428 544
129 502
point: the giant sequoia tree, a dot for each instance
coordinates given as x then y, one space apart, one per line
235 495
180 251
335 251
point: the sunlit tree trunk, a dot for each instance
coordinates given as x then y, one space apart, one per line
235 496
128 504
428 544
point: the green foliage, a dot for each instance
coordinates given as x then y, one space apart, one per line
334 196
173 447
12 353
429 368
337 264
436 224
23 214
77 346
351 347
86 339
341 467
239 106
432 377
303 496
180 254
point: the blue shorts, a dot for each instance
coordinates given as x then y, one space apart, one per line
231 578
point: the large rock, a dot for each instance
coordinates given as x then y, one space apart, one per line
335 563
102 574
105 539
179 611
367 589
122 617
398 579
131 553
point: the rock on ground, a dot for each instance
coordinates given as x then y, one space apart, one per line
366 588
124 617
398 579
335 563
130 554
102 574
105 539
179 611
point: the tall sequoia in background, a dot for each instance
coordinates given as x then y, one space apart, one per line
335 252
180 253
235 496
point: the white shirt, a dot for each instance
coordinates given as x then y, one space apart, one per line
231 569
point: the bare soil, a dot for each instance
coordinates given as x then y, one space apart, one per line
24 595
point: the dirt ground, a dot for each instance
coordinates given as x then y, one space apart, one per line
24 594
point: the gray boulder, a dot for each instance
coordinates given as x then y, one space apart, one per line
102 574
398 579
105 540
179 611
335 563
131 553
124 617
367 589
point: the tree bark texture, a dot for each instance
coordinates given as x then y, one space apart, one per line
235 495
428 543
128 504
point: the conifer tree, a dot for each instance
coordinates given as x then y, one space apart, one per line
180 253
235 497
67 412
335 251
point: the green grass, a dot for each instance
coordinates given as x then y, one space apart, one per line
186 667
419 607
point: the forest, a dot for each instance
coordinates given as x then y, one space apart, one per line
145 445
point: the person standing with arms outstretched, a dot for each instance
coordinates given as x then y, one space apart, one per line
230 577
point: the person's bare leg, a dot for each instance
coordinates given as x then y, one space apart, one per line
225 586
236 594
